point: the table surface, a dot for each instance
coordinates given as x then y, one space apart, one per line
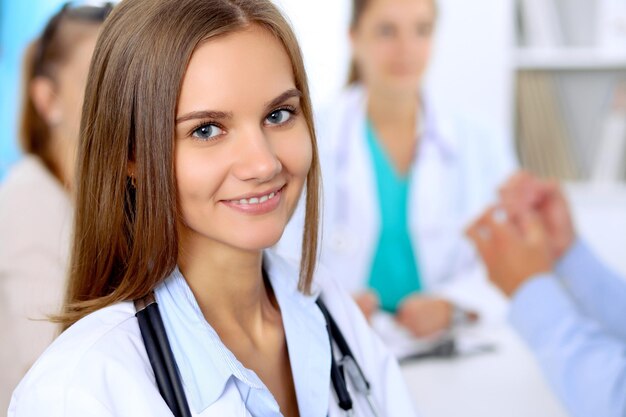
504 383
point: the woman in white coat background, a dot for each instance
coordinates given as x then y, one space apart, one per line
197 142
402 175
35 202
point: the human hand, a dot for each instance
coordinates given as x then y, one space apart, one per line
368 303
512 253
425 316
523 193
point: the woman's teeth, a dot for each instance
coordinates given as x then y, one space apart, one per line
256 200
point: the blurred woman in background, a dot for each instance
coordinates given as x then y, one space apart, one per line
401 175
35 202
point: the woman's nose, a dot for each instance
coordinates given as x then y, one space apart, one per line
256 159
407 42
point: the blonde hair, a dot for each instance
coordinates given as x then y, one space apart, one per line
125 238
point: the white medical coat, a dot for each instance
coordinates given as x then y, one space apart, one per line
99 366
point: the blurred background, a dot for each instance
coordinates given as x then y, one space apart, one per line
472 67
20 23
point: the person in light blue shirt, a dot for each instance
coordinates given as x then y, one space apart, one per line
568 307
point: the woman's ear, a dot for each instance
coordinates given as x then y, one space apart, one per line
131 174
43 95
130 169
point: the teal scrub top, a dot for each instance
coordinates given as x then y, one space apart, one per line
394 272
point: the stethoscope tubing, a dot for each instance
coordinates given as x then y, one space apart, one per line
162 359
340 341
168 378
344 399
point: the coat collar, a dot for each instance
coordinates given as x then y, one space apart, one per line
435 128
207 366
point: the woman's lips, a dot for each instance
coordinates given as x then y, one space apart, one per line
260 204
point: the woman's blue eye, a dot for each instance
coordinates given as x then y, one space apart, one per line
206 132
278 117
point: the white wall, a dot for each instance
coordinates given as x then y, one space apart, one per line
322 29
471 68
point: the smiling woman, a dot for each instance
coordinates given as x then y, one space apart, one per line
197 144
241 143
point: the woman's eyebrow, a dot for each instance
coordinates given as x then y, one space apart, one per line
217 115
207 114
294 92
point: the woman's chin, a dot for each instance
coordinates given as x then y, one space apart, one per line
259 241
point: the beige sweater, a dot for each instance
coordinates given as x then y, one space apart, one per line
35 228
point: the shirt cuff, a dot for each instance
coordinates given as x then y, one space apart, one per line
577 258
538 306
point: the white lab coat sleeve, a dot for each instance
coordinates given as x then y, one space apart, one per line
381 368
585 364
44 401
487 161
98 367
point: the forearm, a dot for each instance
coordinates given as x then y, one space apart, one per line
600 292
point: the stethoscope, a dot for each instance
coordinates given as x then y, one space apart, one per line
171 387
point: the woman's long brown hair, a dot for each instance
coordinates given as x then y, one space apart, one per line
125 240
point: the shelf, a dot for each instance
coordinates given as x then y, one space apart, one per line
568 59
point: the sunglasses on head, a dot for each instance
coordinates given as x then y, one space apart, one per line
75 11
